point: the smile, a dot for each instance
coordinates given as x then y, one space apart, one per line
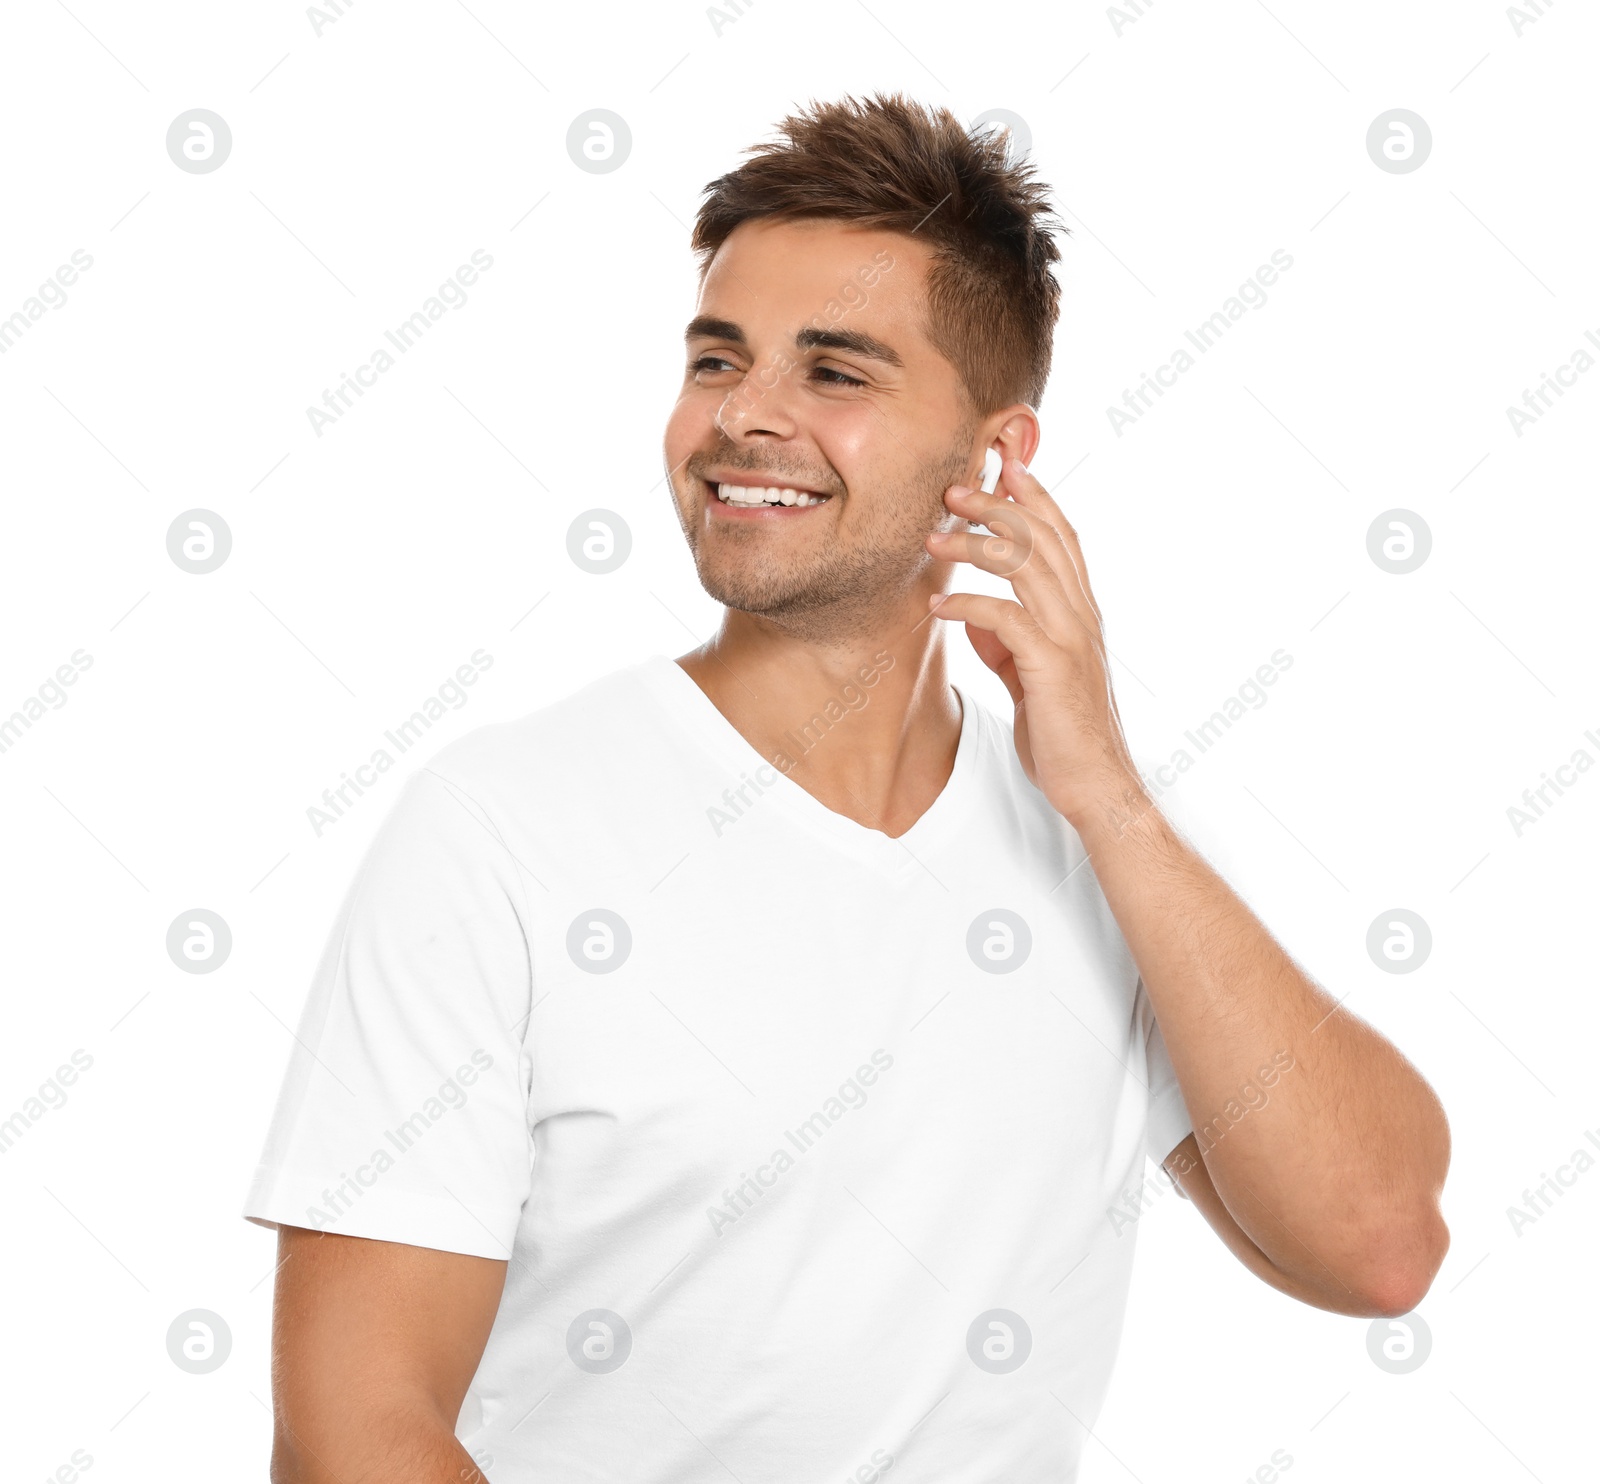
752 496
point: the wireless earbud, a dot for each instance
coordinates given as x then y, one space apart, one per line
991 471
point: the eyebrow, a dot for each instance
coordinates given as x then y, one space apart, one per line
853 342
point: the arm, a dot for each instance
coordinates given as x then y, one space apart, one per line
373 1347
1193 1181
1334 1183
1331 1193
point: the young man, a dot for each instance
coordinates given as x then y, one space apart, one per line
746 1066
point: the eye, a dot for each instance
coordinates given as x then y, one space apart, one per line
712 363
840 378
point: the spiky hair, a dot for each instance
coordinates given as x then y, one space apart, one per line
901 166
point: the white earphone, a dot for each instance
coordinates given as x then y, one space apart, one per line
991 471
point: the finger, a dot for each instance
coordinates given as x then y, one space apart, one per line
1011 551
1022 538
1009 621
1070 615
1017 482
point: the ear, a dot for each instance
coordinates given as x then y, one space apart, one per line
1013 433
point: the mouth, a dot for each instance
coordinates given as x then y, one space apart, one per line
775 499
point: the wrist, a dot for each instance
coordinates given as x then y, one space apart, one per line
1106 813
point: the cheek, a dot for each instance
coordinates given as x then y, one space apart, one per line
692 419
853 440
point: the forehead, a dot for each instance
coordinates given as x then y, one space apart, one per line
778 274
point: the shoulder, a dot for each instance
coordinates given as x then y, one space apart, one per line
589 728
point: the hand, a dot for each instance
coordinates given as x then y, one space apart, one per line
1048 648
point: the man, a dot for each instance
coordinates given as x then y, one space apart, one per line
745 1067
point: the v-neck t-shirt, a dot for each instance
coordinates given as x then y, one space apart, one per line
810 1151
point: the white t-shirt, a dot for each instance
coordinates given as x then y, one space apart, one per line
811 1151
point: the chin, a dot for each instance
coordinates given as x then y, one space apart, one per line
741 592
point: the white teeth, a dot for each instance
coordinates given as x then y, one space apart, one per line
751 495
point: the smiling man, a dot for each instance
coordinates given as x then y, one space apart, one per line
747 1066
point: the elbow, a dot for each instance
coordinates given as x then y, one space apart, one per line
1404 1263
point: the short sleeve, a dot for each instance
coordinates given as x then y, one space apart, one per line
1167 1121
403 1115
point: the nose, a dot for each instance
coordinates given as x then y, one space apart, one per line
759 407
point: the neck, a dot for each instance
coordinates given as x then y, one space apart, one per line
869 725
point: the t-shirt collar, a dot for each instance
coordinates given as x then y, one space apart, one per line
682 697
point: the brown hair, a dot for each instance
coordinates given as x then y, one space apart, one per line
902 166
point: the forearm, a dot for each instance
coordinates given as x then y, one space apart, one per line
1333 1166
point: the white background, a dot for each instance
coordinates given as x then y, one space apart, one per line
368 563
